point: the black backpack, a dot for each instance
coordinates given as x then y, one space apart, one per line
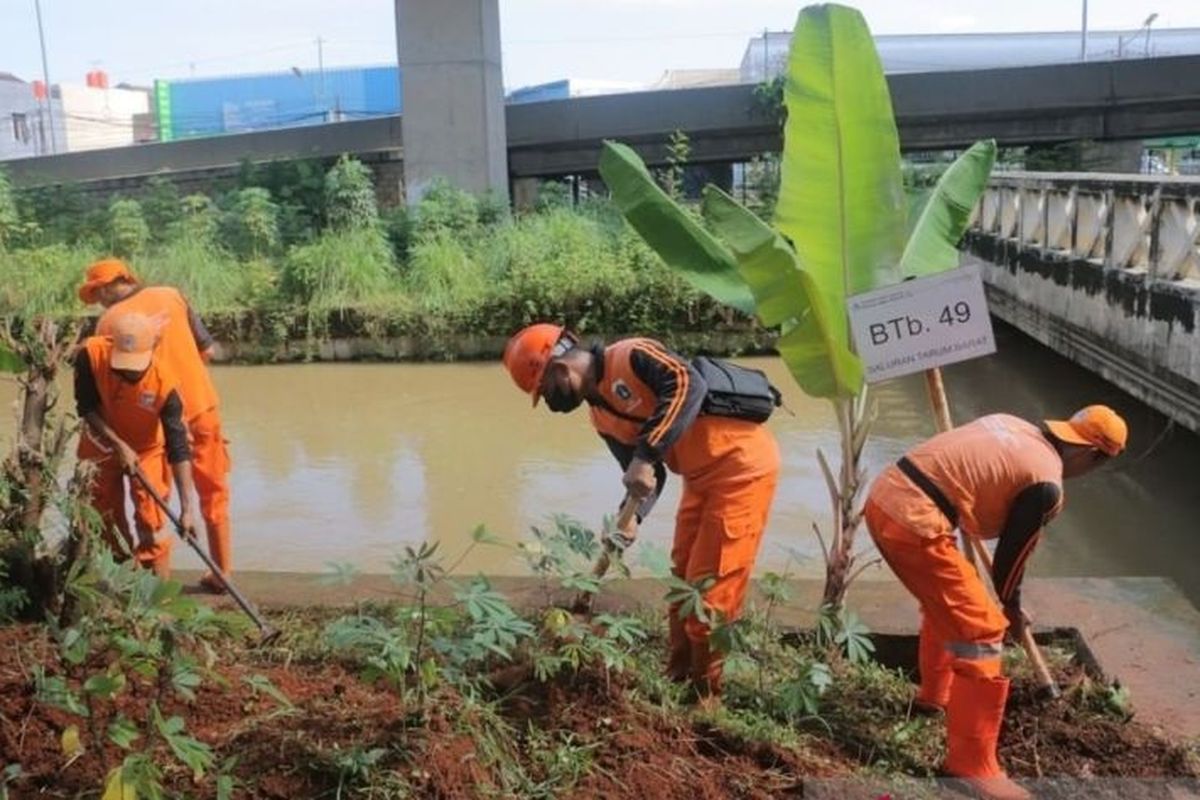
735 391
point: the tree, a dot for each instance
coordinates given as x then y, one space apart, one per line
128 231
350 196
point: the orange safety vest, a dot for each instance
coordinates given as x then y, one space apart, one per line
628 403
132 410
980 467
177 347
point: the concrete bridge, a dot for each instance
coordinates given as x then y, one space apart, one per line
1104 269
1101 101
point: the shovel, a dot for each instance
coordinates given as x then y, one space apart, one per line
267 631
583 602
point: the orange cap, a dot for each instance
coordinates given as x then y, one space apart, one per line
1094 426
528 353
102 273
134 337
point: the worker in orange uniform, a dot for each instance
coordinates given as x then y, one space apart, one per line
646 403
130 403
186 345
998 477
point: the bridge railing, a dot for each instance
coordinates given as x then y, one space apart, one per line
1147 224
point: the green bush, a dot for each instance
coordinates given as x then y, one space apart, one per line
340 270
199 220
252 223
10 220
128 232
350 196
162 207
41 280
445 210
206 274
441 276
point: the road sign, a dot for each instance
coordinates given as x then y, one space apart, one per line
922 324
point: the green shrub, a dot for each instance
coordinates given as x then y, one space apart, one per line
162 207
41 280
128 232
206 274
339 270
445 210
350 196
252 223
199 220
10 220
441 276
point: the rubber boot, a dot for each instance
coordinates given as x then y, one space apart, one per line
707 666
221 552
973 718
934 662
679 659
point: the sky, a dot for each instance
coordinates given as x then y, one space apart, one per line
137 41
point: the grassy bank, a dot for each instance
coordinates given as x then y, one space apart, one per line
262 270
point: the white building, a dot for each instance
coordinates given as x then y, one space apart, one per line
25 121
964 51
99 116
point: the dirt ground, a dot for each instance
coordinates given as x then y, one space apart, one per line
633 749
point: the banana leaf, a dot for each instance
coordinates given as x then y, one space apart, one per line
933 245
841 199
673 233
816 351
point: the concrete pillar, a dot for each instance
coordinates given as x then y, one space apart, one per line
452 112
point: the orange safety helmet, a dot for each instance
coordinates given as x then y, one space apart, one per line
528 353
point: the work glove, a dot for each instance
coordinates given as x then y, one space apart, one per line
1018 620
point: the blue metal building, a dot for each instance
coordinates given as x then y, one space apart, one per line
210 106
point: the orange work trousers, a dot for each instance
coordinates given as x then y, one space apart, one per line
962 628
152 545
718 530
210 471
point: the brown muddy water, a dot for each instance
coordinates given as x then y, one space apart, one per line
349 462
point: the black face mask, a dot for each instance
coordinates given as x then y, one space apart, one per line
562 401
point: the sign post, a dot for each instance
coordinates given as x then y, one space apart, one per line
922 324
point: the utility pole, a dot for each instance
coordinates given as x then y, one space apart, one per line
321 73
37 5
1083 35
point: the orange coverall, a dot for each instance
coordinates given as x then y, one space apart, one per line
650 408
134 412
982 470
183 340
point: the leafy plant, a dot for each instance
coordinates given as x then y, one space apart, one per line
128 231
10 218
350 196
131 634
679 152
162 207
339 270
253 222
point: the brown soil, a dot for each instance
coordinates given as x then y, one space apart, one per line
636 753
635 750
1071 737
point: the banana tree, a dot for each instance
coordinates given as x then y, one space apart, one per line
839 230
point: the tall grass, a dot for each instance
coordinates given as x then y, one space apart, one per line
41 280
211 279
340 270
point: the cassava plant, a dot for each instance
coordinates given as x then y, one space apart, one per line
838 230
136 642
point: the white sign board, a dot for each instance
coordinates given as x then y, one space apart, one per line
922 324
